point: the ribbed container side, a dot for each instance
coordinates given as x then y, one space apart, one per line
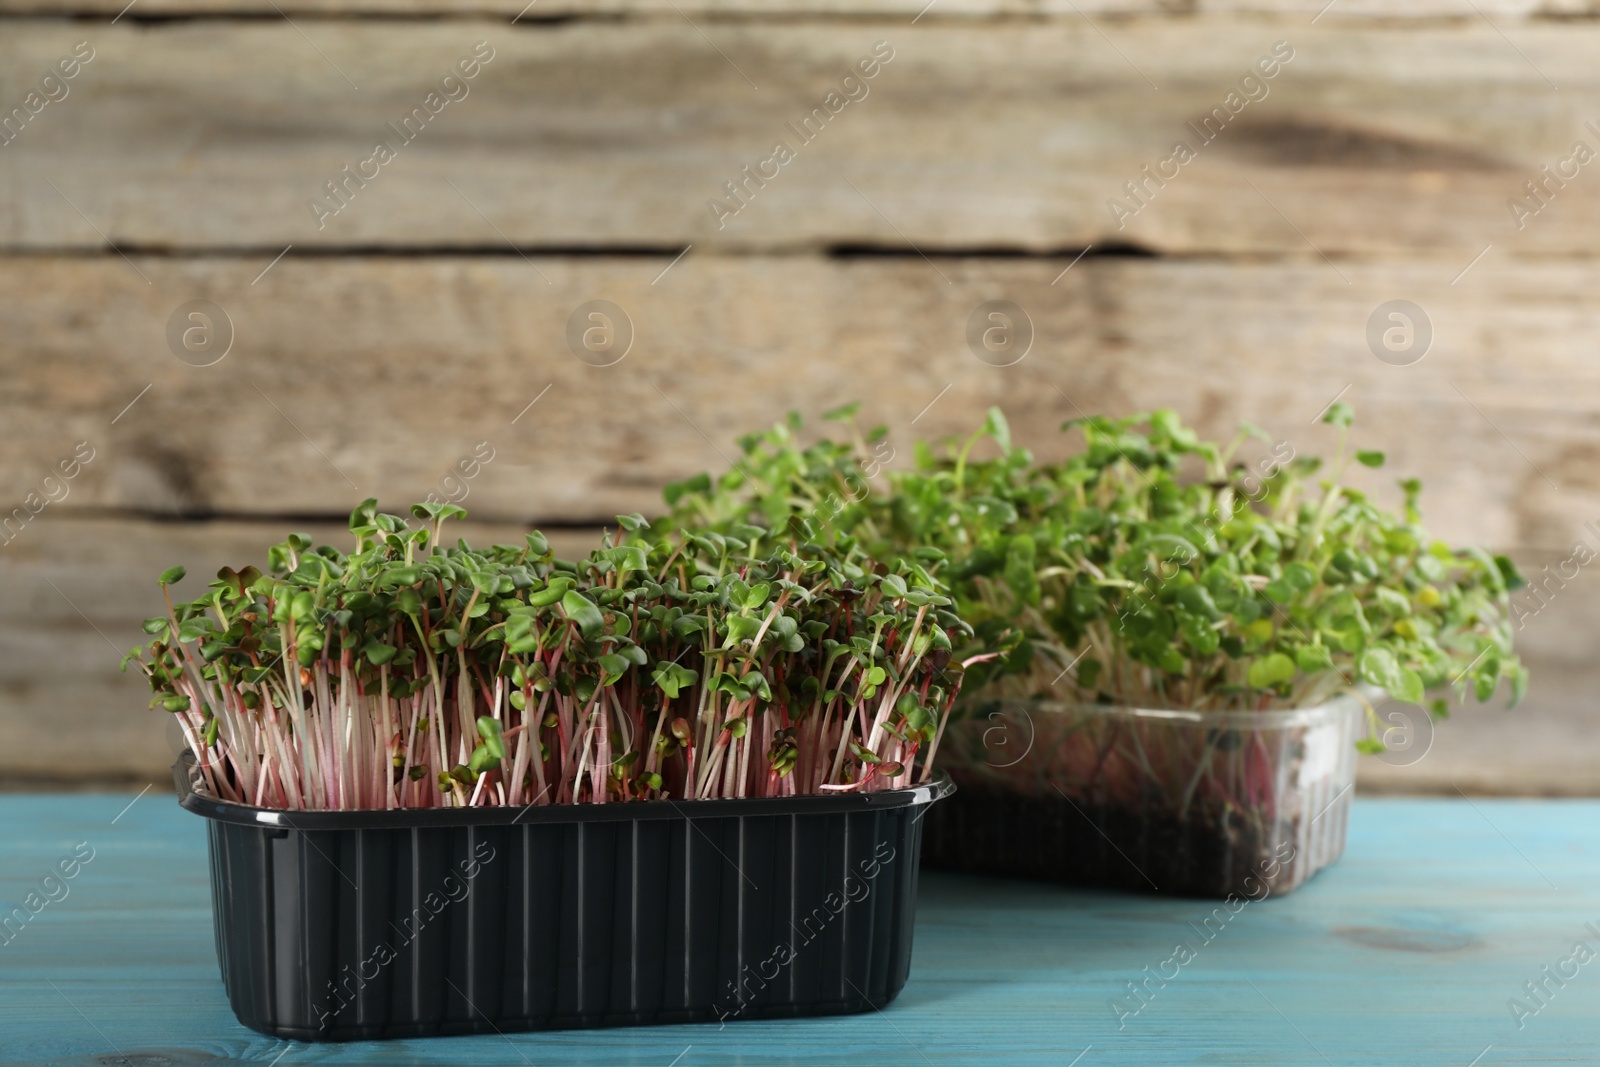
1196 804
575 917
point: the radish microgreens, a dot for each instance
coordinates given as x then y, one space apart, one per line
1151 568
407 674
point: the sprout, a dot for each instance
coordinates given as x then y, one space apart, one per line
1151 568
406 674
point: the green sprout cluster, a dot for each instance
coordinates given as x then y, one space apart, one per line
407 674
1150 568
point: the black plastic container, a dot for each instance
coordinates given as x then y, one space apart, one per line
335 926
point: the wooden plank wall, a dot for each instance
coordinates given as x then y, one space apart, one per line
376 340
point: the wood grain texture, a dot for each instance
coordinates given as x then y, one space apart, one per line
1403 952
1378 167
353 377
207 134
1343 11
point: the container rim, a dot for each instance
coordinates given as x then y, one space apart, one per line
1339 703
193 799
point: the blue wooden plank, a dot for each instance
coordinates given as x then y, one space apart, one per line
1406 952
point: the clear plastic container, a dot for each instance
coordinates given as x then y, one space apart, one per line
1190 803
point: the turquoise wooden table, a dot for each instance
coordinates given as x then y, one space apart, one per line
1453 932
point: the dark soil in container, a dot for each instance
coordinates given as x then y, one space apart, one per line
1207 853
